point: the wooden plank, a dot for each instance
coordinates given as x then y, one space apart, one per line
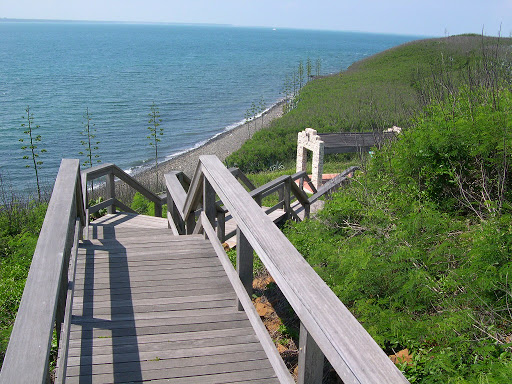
136 296
332 184
111 192
123 270
345 343
160 345
181 263
248 376
206 370
175 363
104 204
106 311
191 337
177 279
97 171
131 220
205 312
155 302
169 321
64 338
26 359
268 188
167 354
243 178
268 345
122 175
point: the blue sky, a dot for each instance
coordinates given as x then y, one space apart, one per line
423 17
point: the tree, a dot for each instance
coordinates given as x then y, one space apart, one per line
90 144
262 109
318 66
300 74
248 118
154 133
309 69
32 141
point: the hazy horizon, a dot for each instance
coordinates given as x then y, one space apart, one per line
401 17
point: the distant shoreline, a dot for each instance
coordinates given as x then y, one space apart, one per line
221 145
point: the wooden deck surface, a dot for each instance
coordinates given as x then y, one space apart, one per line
150 306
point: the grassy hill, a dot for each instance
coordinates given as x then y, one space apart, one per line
372 94
419 246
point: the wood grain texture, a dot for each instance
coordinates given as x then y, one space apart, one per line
151 306
26 359
350 349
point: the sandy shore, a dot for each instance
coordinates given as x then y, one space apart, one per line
221 146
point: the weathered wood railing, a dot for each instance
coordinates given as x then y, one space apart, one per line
284 186
333 184
46 294
111 171
327 327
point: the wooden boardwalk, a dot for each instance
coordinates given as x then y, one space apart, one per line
150 306
137 302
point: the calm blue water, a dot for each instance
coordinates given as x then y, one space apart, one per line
203 79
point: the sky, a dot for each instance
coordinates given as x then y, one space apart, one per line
409 17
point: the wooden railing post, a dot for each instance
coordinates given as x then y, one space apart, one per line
311 359
244 263
111 191
175 216
221 225
287 198
257 199
158 210
209 202
280 194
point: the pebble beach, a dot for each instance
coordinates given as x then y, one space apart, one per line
221 146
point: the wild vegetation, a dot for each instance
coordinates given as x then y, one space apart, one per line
419 245
372 94
31 145
19 229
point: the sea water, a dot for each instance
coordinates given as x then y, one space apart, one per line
202 79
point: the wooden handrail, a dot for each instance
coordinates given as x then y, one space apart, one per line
352 352
332 184
111 171
44 296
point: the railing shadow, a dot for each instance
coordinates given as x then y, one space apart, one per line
121 325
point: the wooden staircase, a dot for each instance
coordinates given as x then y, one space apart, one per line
152 306
135 299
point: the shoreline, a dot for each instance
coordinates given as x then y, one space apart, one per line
221 145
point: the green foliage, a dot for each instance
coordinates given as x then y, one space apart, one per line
143 206
90 143
373 94
459 153
32 146
19 229
420 246
154 134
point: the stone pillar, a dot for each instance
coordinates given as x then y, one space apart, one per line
302 157
308 139
318 163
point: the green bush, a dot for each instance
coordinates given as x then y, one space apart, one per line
143 206
19 229
420 246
